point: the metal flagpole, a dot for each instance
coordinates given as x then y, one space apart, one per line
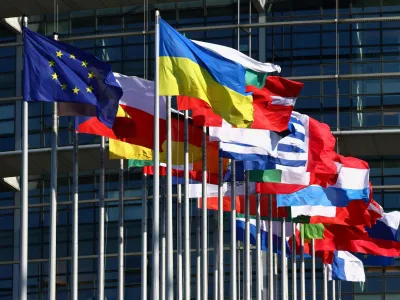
198 254
75 207
333 290
216 253
121 277
169 237
205 215
163 244
100 270
144 237
339 290
258 249
156 177
220 231
238 270
313 278
294 266
23 272
325 283
247 276
270 252
233 231
187 216
179 242
53 204
283 261
302 271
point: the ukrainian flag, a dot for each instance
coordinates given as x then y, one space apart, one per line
191 70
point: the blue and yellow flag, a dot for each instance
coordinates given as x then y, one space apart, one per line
188 69
58 72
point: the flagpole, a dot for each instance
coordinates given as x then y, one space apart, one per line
302 271
156 177
313 278
333 290
233 231
220 230
238 269
247 276
100 270
53 204
179 242
75 220
325 283
121 277
339 290
187 217
198 254
163 244
205 215
144 237
169 237
258 249
294 263
270 252
23 271
283 262
216 253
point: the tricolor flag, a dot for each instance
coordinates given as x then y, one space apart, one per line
352 183
273 105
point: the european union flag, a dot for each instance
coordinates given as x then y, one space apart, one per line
58 72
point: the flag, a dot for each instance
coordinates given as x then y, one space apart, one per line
58 72
195 190
263 149
352 183
273 105
277 212
332 237
319 144
192 70
385 228
355 213
264 228
346 267
138 156
132 135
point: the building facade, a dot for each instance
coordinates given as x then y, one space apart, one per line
351 72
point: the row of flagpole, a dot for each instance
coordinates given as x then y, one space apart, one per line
201 287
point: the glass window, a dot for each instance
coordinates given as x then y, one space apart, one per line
390 36
109 23
7 64
366 68
366 101
82 25
390 85
7 127
365 53
366 119
7 80
370 86
309 40
7 111
366 37
391 118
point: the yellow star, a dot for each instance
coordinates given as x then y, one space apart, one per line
59 54
54 76
64 86
89 89
76 90
91 75
72 56
51 63
84 64
365 256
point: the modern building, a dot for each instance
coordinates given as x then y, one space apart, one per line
346 52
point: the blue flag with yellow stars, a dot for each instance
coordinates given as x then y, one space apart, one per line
58 72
